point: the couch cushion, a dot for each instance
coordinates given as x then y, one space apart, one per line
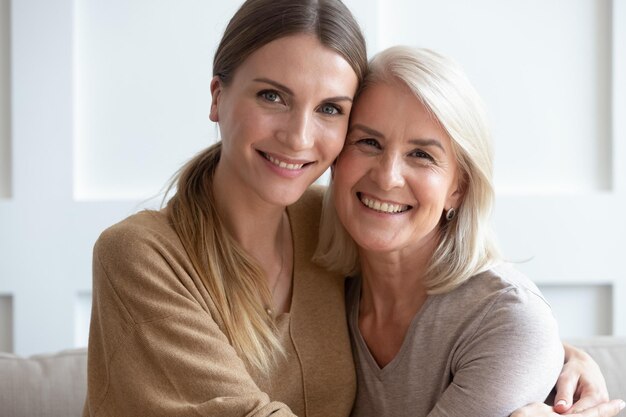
43 385
55 385
610 353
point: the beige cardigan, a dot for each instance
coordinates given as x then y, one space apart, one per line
155 348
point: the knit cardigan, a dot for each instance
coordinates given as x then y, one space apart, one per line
156 347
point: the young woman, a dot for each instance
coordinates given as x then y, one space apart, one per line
439 325
212 306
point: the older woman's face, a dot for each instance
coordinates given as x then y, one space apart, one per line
396 174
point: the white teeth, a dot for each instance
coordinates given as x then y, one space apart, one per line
384 207
282 164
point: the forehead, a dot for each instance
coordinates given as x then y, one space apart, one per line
300 60
392 103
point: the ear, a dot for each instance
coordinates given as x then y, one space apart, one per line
455 198
216 91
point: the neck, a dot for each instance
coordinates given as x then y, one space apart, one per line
263 231
254 224
393 283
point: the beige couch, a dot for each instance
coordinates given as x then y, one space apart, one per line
54 385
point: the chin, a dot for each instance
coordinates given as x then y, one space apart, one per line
285 198
370 244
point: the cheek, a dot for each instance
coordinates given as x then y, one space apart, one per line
432 188
333 138
346 174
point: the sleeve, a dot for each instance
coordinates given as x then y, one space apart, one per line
513 358
154 349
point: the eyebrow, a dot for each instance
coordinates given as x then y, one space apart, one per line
365 129
428 142
275 84
290 91
376 133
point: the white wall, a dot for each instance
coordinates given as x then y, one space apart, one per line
5 92
107 99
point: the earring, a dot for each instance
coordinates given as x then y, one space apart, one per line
450 213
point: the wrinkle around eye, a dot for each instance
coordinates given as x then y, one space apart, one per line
422 155
370 142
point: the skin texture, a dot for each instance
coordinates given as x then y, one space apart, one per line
385 161
581 381
289 101
608 409
397 155
404 160
307 122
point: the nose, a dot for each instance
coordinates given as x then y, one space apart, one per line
298 131
388 171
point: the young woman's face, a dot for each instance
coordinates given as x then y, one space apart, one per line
396 174
283 118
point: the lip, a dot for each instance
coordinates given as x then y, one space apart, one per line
382 206
286 167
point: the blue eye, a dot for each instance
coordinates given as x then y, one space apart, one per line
270 95
330 109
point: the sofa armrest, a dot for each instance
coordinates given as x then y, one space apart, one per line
43 385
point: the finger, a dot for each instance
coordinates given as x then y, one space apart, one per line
565 389
588 402
610 409
534 410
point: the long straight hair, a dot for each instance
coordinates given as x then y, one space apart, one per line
233 279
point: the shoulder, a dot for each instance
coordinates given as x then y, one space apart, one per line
139 262
502 282
135 232
139 245
504 311
500 297
512 301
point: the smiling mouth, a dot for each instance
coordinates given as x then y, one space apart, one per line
382 206
284 164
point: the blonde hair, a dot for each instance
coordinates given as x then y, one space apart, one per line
467 246
233 279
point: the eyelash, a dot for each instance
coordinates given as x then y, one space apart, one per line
337 110
264 93
422 154
369 142
416 153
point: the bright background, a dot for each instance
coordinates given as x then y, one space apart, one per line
101 101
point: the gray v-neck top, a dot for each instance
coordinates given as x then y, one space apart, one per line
484 349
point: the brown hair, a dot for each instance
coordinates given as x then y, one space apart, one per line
233 279
258 22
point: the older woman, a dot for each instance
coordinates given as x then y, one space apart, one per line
439 325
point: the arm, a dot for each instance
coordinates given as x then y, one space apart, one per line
581 382
513 359
607 409
154 347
